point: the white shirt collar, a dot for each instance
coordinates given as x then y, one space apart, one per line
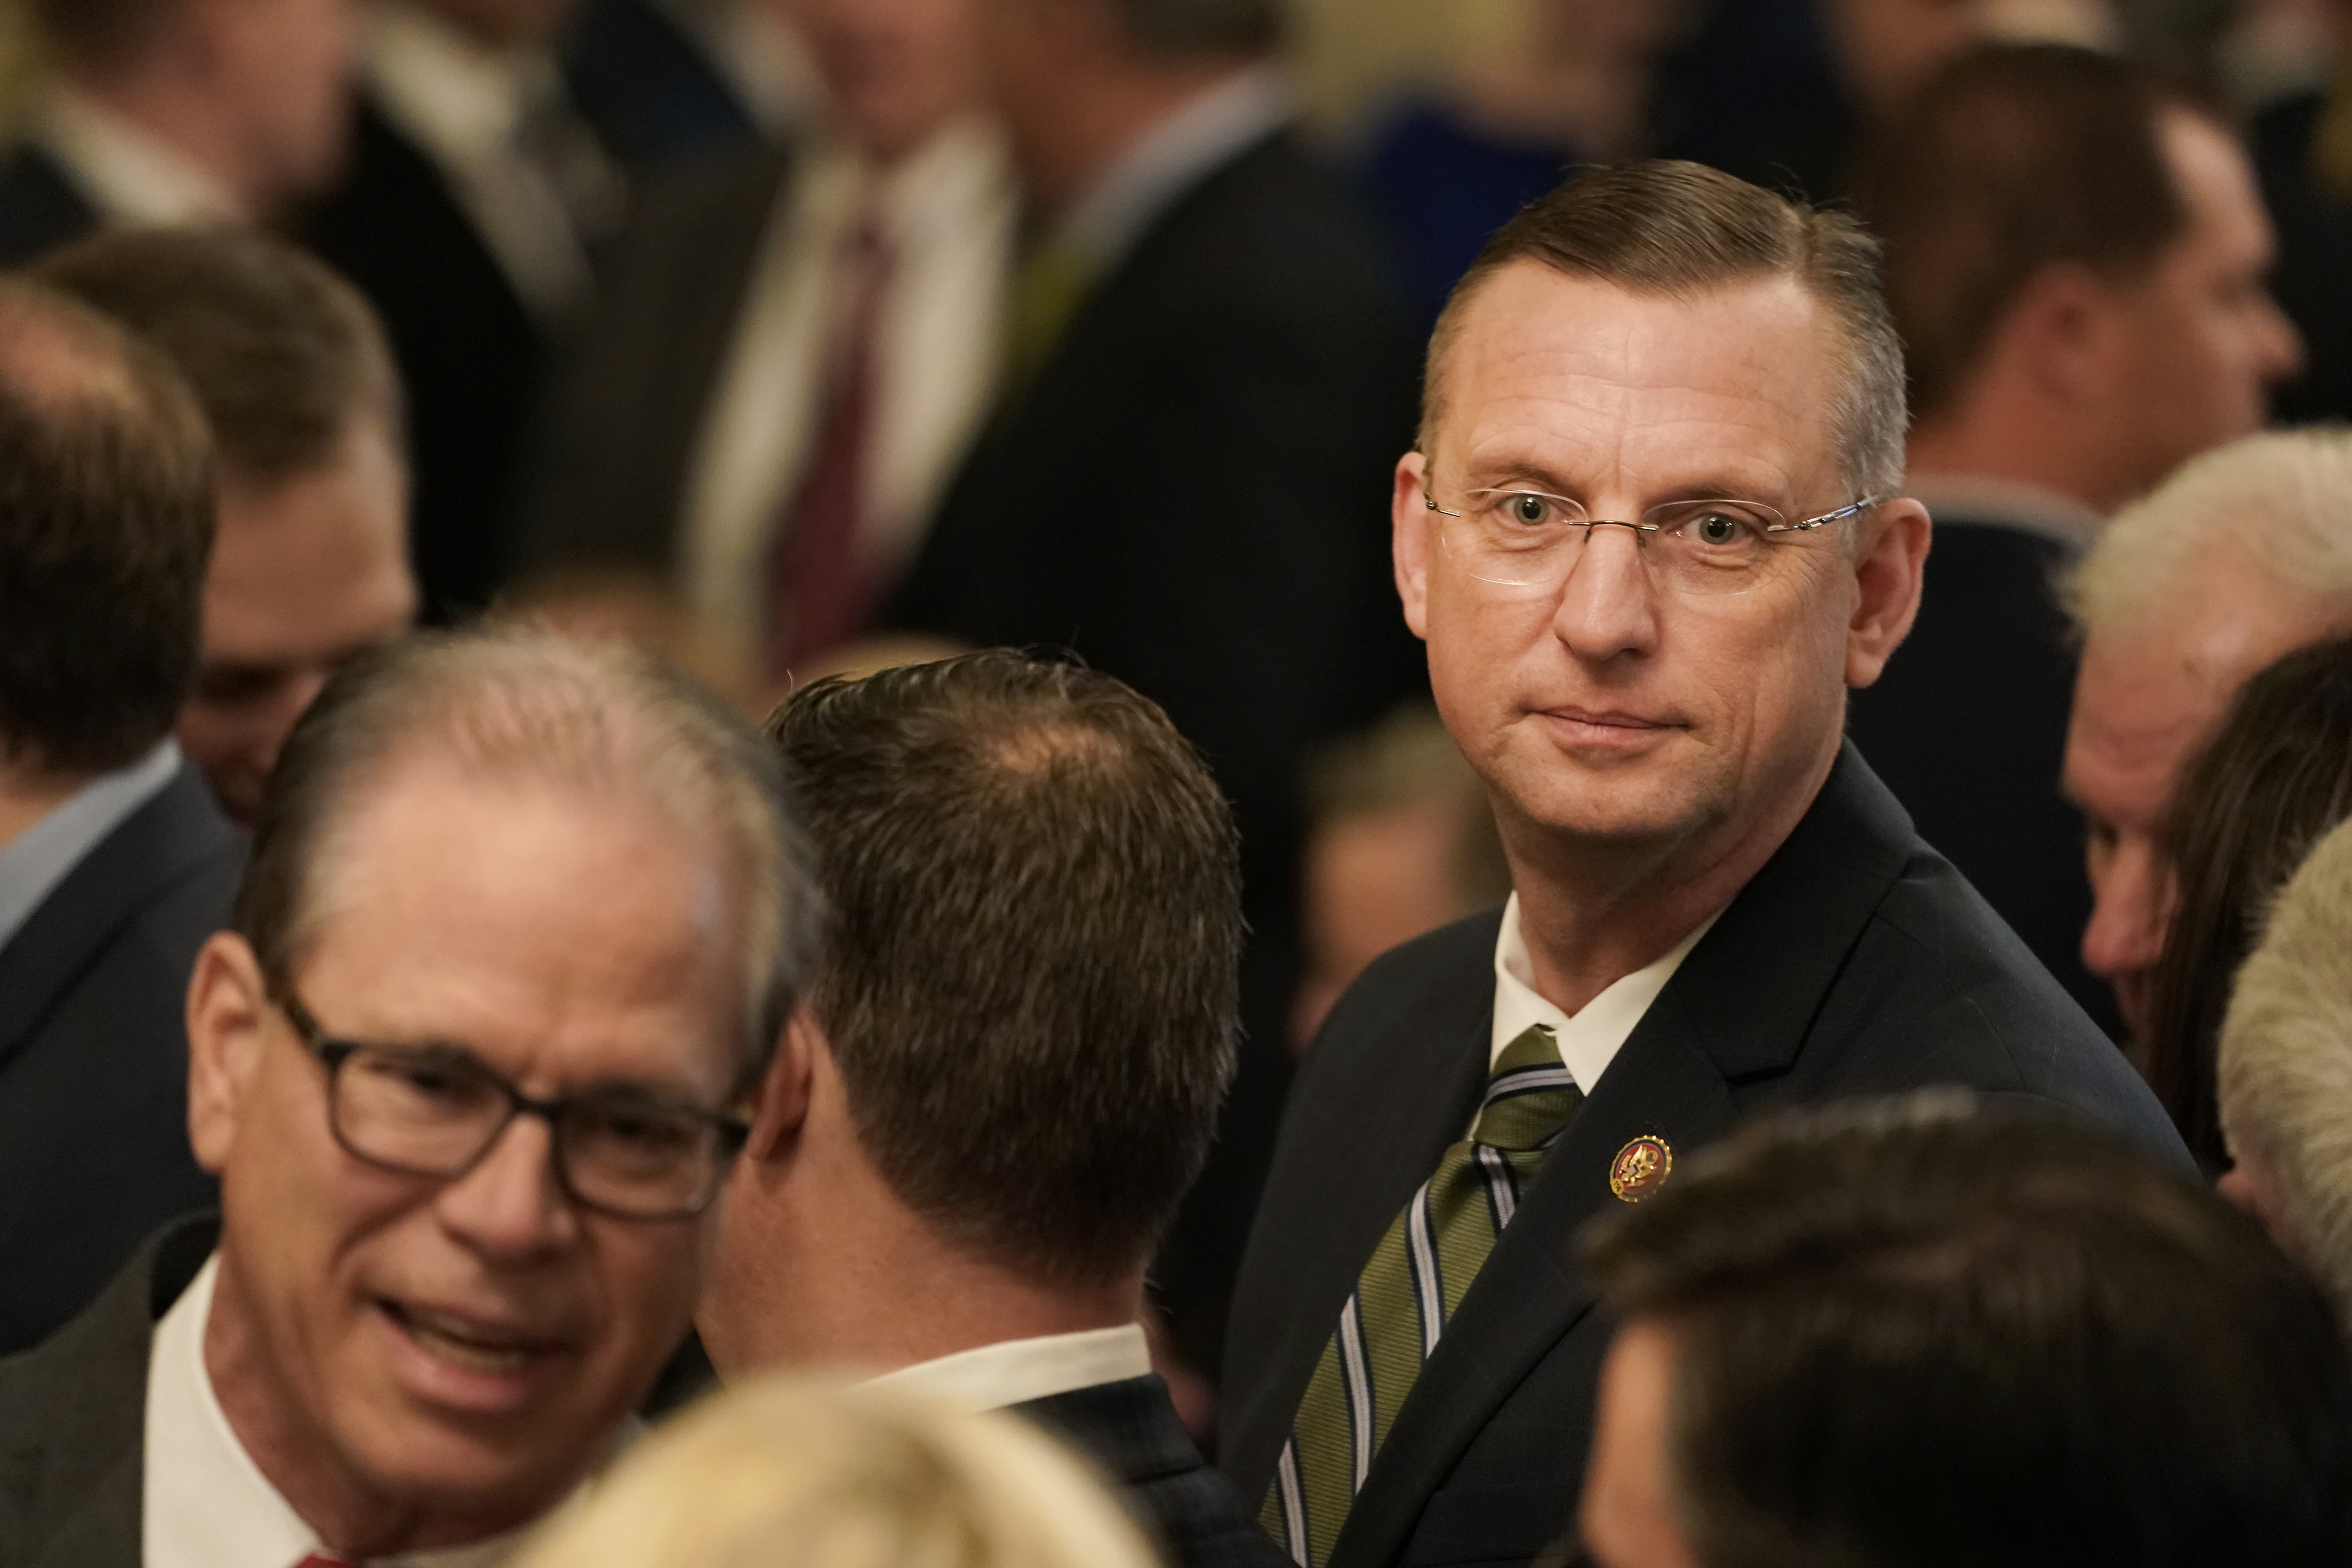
130 175
1019 1370
35 860
1588 1041
2009 504
1125 199
205 1503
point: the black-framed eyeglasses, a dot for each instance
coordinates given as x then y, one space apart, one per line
437 1111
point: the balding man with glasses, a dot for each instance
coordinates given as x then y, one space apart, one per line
521 924
1652 536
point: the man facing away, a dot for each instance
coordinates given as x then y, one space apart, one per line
168 111
470 1125
115 865
1652 536
309 562
2075 256
1007 1069
1929 1332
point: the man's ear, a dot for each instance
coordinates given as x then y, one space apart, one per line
1409 531
228 1018
1888 573
780 1104
2065 324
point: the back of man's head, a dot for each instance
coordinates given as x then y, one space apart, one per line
2011 159
106 516
1929 1332
2286 1069
1029 979
283 354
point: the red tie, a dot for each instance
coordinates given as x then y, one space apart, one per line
821 588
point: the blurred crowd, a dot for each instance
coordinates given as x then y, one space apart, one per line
1033 412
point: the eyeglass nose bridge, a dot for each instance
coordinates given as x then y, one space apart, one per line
549 1111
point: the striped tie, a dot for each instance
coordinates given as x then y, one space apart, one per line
1414 1281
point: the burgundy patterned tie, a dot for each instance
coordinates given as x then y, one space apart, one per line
821 587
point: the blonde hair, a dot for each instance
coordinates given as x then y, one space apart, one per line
2285 1073
2282 499
786 1471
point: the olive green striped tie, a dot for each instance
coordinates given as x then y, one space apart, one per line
1407 1292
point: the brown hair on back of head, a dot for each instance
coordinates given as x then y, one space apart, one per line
282 352
2011 159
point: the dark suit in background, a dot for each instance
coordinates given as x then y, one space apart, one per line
1130 1429
1193 494
1967 727
1856 962
40 207
94 1055
649 85
73 1417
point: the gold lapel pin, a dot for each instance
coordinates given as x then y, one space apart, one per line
1640 1168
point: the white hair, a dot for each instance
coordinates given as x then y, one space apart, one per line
2283 500
2285 1071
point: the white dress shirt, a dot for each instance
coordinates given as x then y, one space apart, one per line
205 1503
33 862
127 174
1588 1041
464 104
1019 1370
948 212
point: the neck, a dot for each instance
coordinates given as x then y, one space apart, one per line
2022 441
1593 913
27 795
1101 116
170 106
822 1265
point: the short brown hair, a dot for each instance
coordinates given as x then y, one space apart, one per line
1661 227
283 354
106 524
2010 159
1030 976
512 700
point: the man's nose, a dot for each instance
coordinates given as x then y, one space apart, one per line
2283 345
2128 912
1608 605
510 1203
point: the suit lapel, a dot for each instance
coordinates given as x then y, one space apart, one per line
1367 1129
1739 1009
177 831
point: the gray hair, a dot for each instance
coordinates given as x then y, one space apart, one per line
1657 227
520 701
2283 500
2285 1070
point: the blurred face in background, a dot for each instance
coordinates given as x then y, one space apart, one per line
894 71
1889 47
2201 342
287 63
305 572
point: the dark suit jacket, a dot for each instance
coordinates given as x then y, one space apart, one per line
467 349
94 1055
73 1417
1193 494
40 208
606 479
649 85
1130 1429
1967 727
1856 962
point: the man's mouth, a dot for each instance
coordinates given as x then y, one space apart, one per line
470 1344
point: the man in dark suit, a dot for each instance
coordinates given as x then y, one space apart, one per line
1008 1068
115 865
472 200
2075 260
164 111
1210 369
469 1127
1651 536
